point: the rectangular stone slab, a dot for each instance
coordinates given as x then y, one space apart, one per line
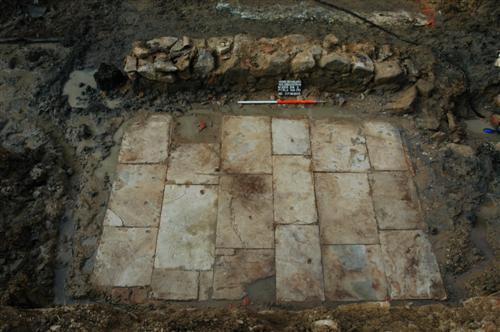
345 209
245 212
136 196
146 140
194 164
411 267
294 201
354 273
395 200
246 144
385 147
299 274
174 284
291 136
125 257
234 273
186 238
338 147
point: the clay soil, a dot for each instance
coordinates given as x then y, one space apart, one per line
57 162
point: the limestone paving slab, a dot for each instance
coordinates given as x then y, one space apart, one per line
354 273
291 136
299 274
245 212
395 201
194 164
411 267
174 284
345 209
338 147
125 256
234 273
246 145
186 238
294 201
136 196
146 140
206 285
385 146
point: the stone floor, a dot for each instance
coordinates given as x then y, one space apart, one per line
320 210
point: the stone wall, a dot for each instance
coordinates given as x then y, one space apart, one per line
242 62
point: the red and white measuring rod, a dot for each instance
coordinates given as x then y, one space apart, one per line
281 102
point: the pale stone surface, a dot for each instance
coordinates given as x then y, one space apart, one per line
125 256
194 164
385 147
354 272
234 273
186 239
395 200
345 209
294 201
291 136
245 217
206 285
246 144
338 147
411 268
174 284
146 141
299 274
136 196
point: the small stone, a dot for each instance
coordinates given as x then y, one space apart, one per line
130 64
164 66
140 50
325 325
181 47
439 137
221 45
303 62
497 100
146 69
363 68
162 44
336 62
425 87
403 103
461 149
271 64
384 52
387 72
182 63
165 78
495 120
330 42
411 69
204 63
497 146
108 77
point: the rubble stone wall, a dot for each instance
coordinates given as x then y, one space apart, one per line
242 62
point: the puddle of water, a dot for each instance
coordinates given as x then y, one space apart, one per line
76 85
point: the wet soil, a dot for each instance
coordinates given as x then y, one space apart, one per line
57 162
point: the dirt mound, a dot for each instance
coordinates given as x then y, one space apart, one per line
32 186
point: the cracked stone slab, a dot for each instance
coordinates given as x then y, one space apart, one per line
146 140
291 137
125 257
194 164
294 200
136 196
174 284
246 144
345 209
385 146
245 212
299 274
411 267
233 274
395 200
186 238
338 147
354 273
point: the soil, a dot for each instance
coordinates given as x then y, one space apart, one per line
57 162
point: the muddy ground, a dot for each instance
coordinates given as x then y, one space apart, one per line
57 162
